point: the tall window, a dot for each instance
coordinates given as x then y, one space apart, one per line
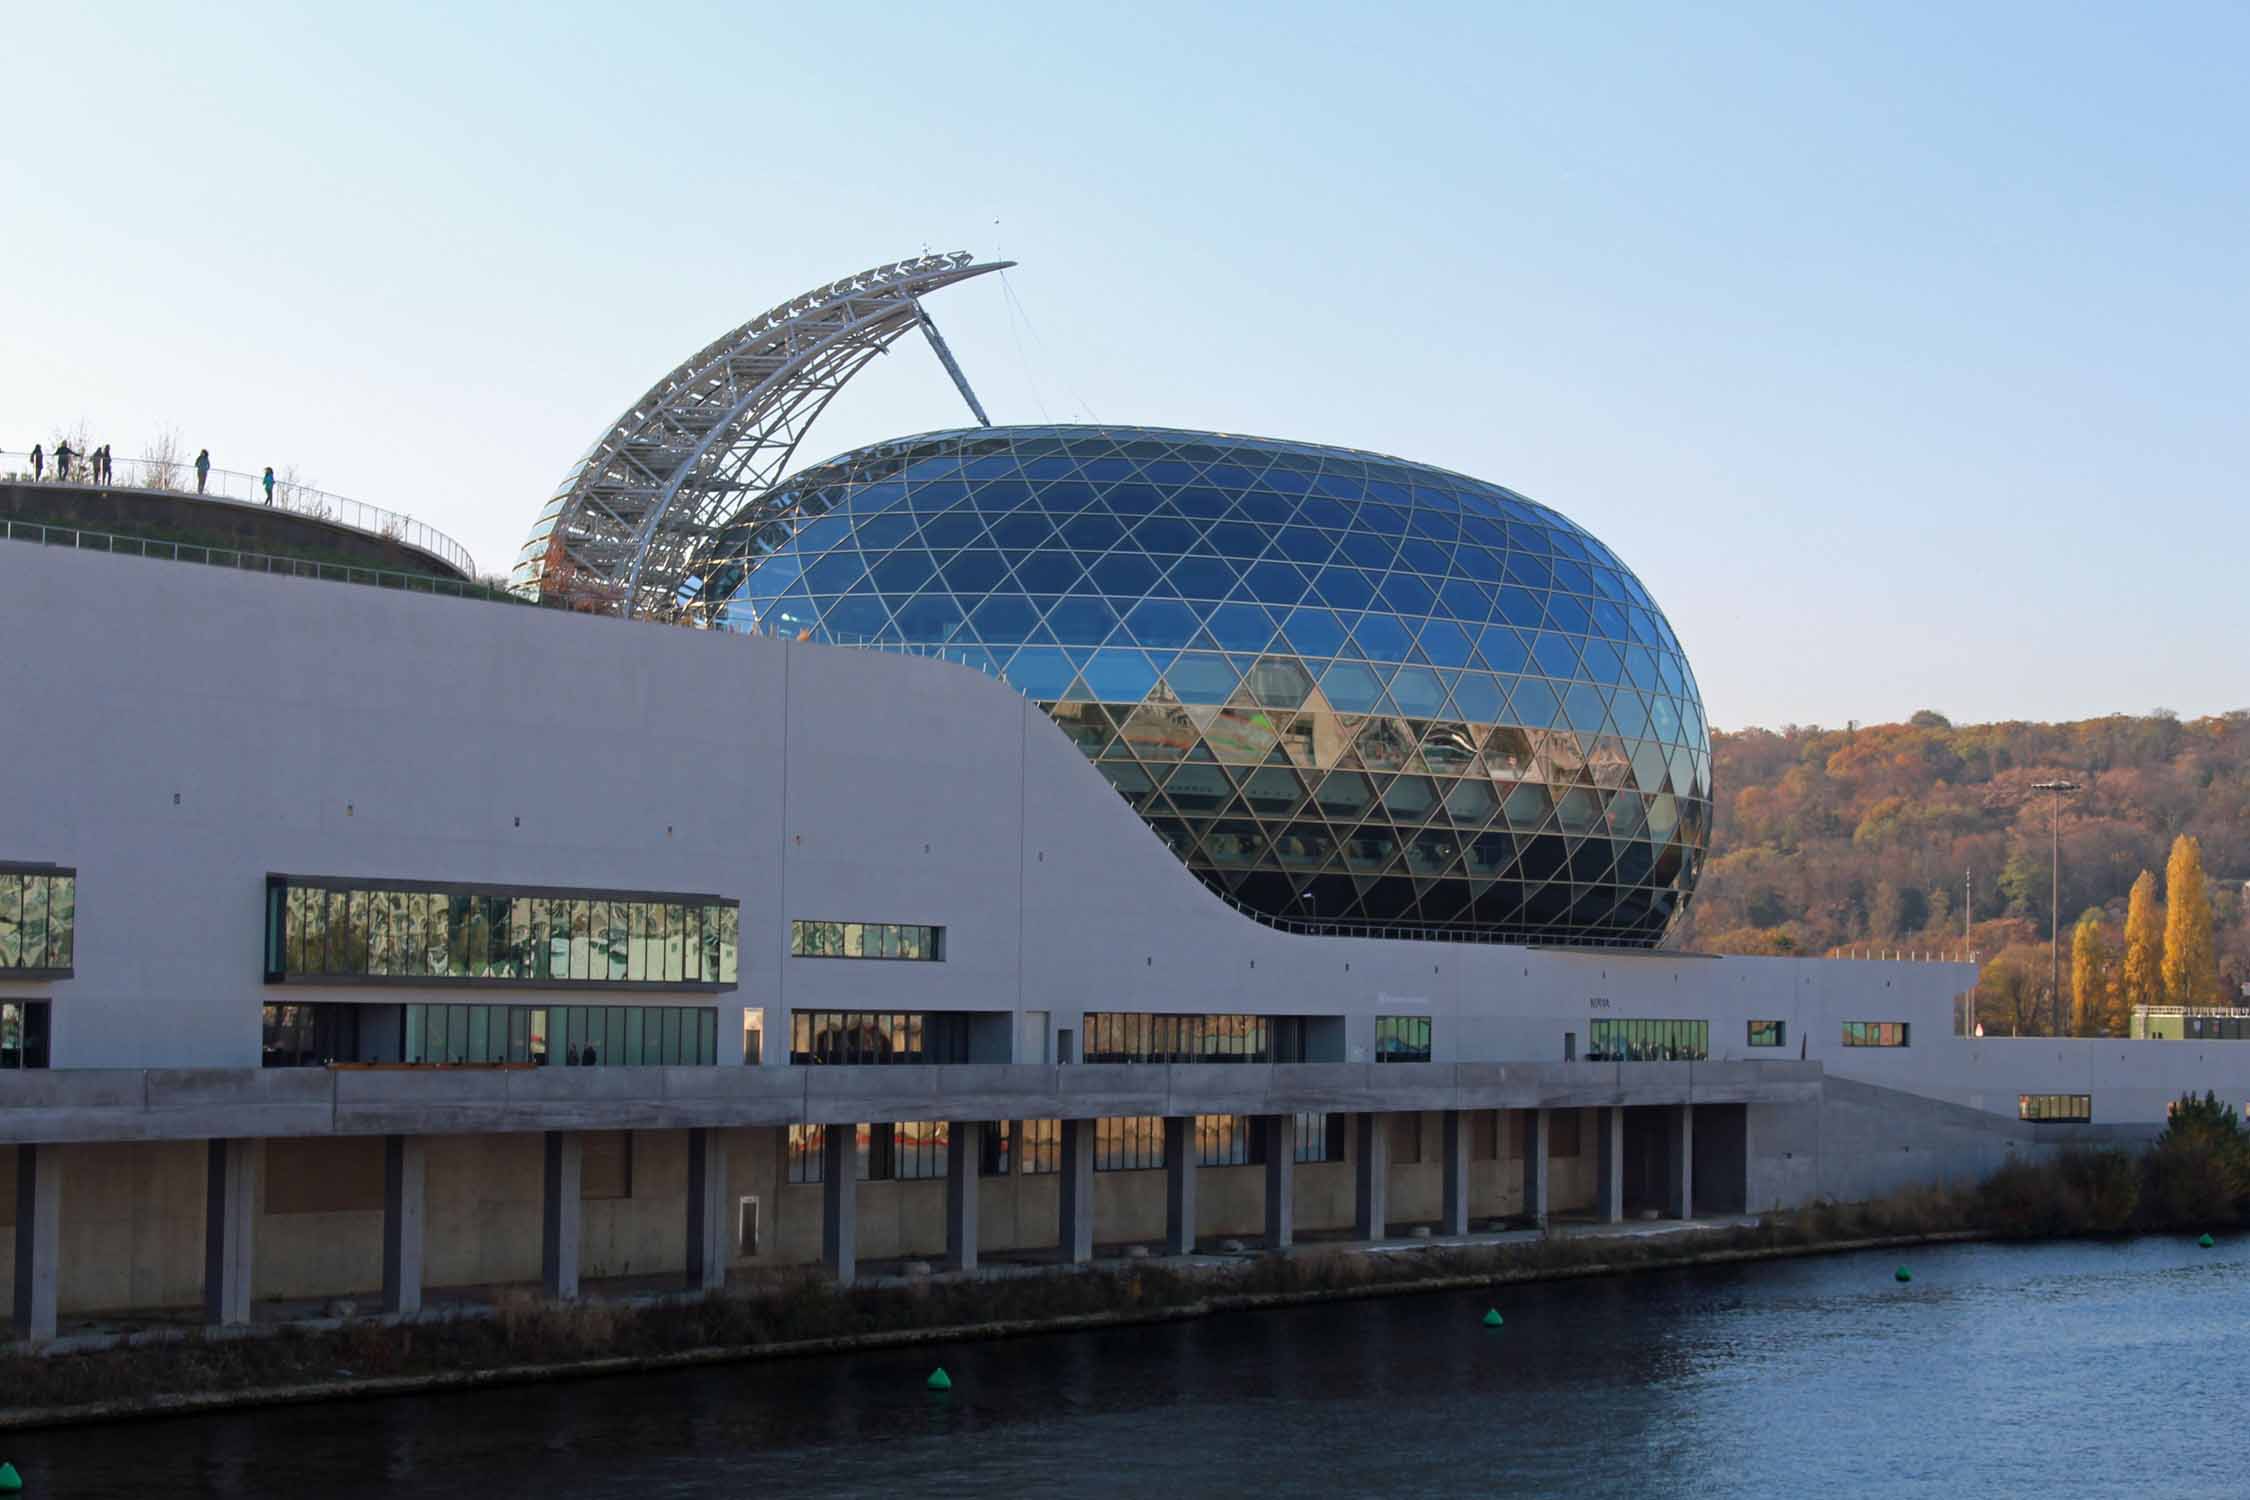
1039 1147
1648 1041
1769 1033
23 1034
1146 1037
919 1149
1402 1038
38 921
1224 1141
1320 1137
866 940
1128 1143
575 1036
323 930
1875 1033
2067 1109
872 1038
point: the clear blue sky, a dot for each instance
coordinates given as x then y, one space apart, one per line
1901 348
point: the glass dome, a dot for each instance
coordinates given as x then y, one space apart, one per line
1351 693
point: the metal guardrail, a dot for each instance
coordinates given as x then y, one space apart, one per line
1868 953
251 562
248 489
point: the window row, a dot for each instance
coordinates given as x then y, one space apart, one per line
1402 1038
1145 1037
915 1150
38 921
324 929
1769 1033
579 1036
1875 1033
873 1038
1648 1041
866 940
23 1034
2069 1109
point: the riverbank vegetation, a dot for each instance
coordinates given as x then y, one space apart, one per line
2196 1176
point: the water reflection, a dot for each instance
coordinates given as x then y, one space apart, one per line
1997 1371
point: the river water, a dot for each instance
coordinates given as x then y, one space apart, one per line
2051 1370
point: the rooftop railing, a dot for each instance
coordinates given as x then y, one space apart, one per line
246 489
250 562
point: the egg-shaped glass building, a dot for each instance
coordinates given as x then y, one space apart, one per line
1351 693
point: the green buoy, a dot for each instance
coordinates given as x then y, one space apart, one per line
1492 1317
11 1483
939 1380
2207 1242
1903 1274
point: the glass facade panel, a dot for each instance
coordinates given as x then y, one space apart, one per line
1128 1143
875 1038
23 1033
327 930
1875 1033
1223 606
2066 1109
38 921
1147 1037
1769 1033
1402 1038
1648 1041
863 940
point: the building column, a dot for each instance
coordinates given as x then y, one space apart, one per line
964 1156
1371 1175
230 1221
562 1213
404 1176
1537 1139
1609 1166
1179 1184
1455 1214
1281 1179
839 1201
1679 1178
38 1239
709 1246
1077 1191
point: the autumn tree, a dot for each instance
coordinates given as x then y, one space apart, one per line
2093 980
2191 965
2141 981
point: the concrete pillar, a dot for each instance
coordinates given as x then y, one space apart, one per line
1078 1191
1371 1175
230 1221
1537 1146
1281 1179
1455 1213
1179 1184
964 1153
562 1213
38 1239
709 1240
404 1176
1679 1175
839 1201
1609 1165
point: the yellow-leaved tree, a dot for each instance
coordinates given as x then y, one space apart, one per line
2141 981
2191 963
2093 981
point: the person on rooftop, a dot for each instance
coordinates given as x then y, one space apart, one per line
202 469
267 481
38 462
63 456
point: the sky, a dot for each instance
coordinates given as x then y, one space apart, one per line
1901 349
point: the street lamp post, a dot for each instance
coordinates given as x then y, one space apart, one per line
2061 789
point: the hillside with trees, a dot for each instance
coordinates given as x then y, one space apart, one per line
1887 836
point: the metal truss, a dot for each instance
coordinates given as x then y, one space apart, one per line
633 517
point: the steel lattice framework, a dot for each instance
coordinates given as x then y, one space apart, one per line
630 519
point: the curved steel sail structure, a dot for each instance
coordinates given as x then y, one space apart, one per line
630 520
